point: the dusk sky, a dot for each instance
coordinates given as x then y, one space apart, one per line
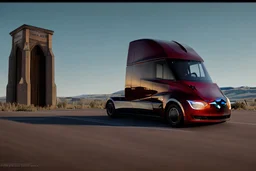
90 41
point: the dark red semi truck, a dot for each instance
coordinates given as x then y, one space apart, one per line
169 79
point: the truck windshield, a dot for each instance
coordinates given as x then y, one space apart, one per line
189 70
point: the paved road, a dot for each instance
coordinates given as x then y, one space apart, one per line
88 140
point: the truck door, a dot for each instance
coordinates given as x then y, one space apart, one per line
142 87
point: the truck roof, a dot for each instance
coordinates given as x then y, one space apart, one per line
150 49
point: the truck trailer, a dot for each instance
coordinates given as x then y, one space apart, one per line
169 79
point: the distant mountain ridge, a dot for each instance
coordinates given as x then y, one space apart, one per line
239 93
226 88
91 96
233 93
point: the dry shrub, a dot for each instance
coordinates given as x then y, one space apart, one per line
96 104
251 107
16 107
253 104
238 105
243 106
82 104
29 108
62 105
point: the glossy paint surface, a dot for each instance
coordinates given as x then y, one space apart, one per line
149 49
145 90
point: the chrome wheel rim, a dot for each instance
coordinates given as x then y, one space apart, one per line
110 108
174 115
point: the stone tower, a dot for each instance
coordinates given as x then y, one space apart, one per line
31 67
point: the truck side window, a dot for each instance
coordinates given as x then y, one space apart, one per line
197 68
159 70
163 71
167 73
201 70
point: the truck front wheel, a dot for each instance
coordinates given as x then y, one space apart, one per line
174 115
110 108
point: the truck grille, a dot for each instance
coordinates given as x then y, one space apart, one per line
211 117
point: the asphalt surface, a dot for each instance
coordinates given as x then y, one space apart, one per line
89 140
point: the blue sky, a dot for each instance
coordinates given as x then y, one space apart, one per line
90 42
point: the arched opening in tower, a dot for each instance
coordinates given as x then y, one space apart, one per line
38 77
18 60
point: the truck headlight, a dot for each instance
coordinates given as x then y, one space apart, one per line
228 103
197 105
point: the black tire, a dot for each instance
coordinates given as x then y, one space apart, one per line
174 116
111 111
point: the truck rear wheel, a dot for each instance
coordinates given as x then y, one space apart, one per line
110 108
174 115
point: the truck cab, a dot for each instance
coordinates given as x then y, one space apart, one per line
168 79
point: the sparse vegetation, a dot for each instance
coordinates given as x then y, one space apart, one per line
16 107
82 104
238 105
244 106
